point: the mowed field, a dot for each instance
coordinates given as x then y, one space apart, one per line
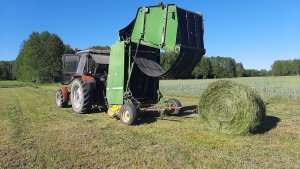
34 133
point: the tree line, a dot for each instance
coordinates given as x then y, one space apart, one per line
6 70
224 67
218 67
214 67
39 60
286 67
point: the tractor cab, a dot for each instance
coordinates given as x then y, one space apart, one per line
92 63
86 70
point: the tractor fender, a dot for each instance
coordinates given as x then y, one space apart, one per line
85 77
65 92
89 79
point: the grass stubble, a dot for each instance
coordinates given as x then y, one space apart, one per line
34 133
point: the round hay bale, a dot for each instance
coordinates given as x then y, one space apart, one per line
231 108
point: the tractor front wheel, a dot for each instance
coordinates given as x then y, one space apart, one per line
80 97
128 114
175 106
60 99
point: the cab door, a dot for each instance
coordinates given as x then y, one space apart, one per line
70 65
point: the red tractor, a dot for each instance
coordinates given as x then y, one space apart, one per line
83 80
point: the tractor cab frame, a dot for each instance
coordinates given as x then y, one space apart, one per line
87 62
86 69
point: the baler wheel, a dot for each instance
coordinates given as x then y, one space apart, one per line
60 99
173 103
128 114
80 97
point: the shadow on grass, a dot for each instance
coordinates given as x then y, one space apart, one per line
147 118
269 123
68 106
188 110
94 110
151 117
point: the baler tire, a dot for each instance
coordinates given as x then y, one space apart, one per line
80 97
60 99
173 103
128 114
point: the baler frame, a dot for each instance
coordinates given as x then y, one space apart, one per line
134 70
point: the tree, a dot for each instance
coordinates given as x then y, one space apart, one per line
50 63
230 68
296 66
26 62
203 70
216 67
69 50
97 47
39 59
263 72
167 59
223 67
286 67
239 70
6 70
251 73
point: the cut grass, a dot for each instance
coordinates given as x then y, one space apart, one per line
13 84
34 133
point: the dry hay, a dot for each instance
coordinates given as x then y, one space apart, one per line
231 108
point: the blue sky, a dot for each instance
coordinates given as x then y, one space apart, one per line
254 32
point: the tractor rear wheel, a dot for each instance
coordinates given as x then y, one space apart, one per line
60 99
128 114
173 103
80 97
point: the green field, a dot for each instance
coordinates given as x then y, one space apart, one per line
287 87
34 133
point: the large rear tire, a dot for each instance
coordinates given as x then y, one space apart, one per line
173 103
80 97
60 99
128 114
